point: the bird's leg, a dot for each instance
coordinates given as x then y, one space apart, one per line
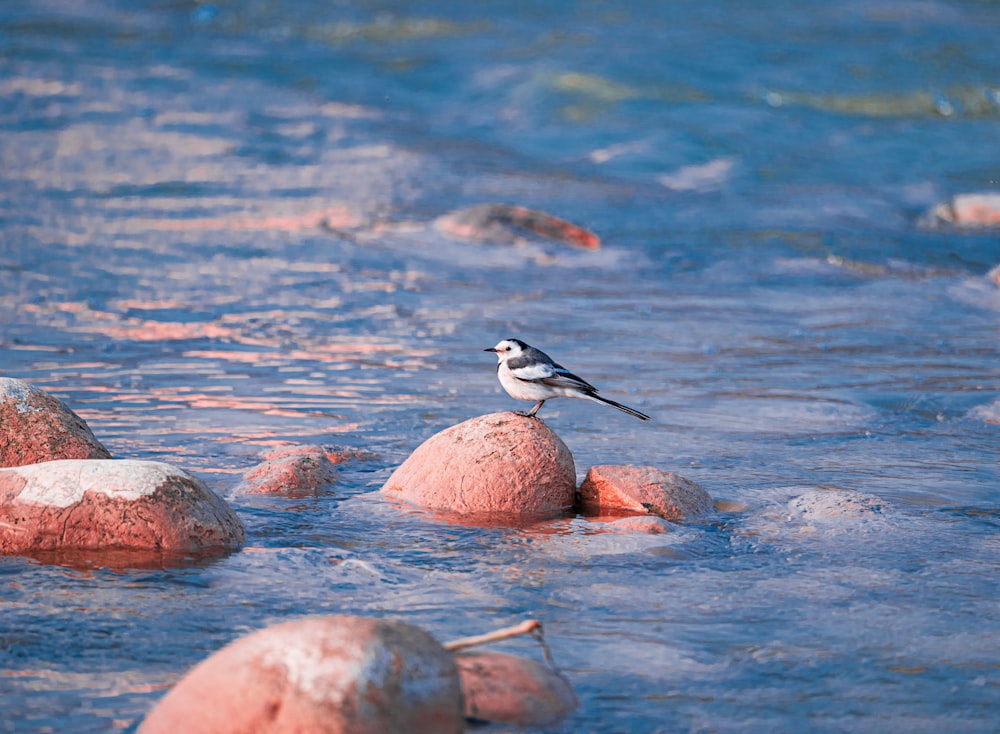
531 413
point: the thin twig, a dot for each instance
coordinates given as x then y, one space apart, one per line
526 627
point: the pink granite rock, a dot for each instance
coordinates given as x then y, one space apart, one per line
643 490
111 504
34 427
290 470
513 690
343 674
497 463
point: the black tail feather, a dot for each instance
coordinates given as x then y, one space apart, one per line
622 408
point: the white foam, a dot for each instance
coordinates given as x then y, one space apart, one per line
990 412
699 177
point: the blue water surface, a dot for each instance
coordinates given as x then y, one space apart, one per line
217 236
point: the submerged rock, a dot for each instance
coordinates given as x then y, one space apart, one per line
505 223
820 505
642 490
349 675
967 210
36 427
794 514
513 690
111 504
497 463
291 470
640 524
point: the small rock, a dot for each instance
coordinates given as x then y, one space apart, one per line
498 463
967 210
291 470
36 427
111 504
513 690
506 223
349 675
642 490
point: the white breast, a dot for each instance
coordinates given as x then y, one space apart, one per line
522 390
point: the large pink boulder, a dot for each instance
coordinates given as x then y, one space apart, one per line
513 690
498 463
111 504
628 489
349 675
34 427
290 470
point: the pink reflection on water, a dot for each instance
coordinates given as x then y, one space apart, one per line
116 326
279 405
231 329
135 330
114 685
336 217
143 304
318 354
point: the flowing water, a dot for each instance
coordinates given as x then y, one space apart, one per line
217 236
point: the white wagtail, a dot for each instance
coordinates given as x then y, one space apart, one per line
527 373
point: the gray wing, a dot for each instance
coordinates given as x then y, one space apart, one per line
534 365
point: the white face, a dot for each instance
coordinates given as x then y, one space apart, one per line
506 349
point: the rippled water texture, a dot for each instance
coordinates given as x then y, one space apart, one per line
219 233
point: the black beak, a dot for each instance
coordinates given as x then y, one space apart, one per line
490 349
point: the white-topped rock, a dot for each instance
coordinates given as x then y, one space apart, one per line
111 504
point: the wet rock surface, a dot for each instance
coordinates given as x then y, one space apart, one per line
291 470
496 463
643 490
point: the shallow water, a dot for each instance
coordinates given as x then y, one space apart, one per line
217 237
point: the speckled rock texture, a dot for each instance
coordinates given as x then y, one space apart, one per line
36 427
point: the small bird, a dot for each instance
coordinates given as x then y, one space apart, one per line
527 373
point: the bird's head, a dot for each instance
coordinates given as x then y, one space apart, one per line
507 348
